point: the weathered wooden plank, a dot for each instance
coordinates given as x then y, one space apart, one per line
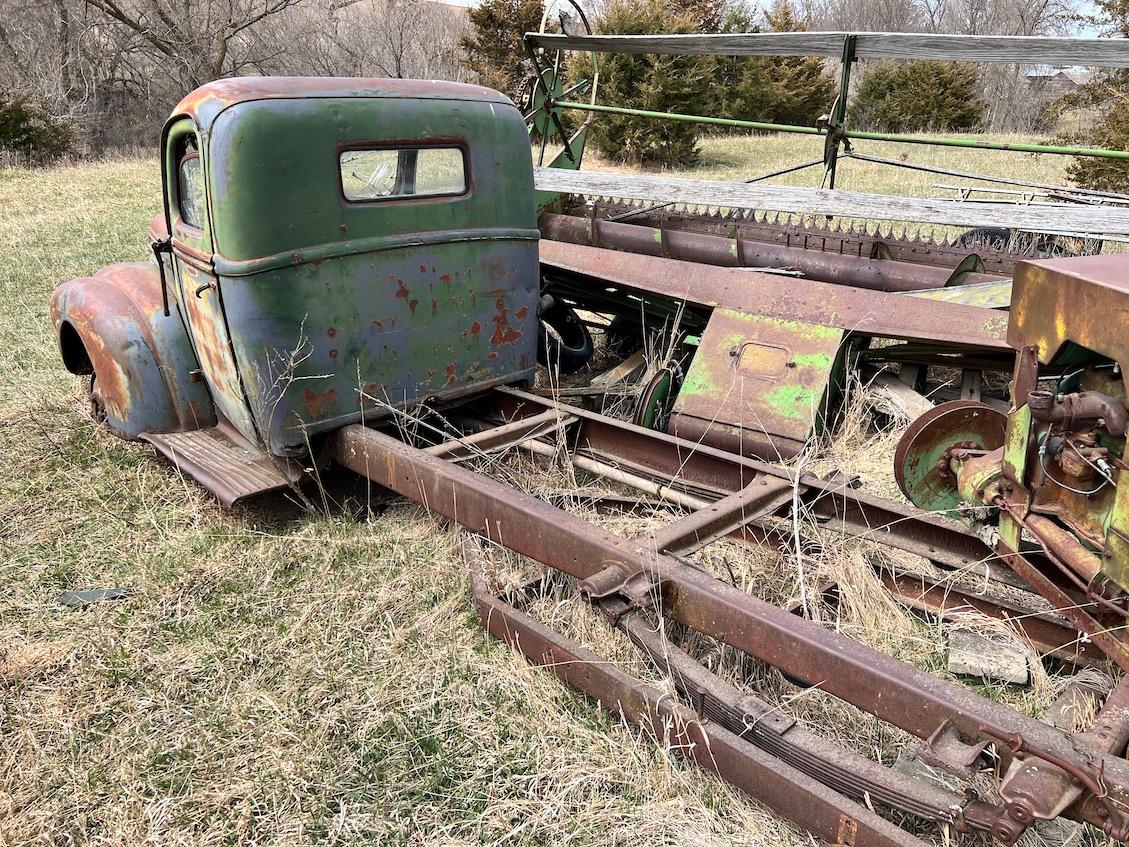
1038 50
816 201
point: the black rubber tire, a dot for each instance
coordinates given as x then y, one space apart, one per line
569 346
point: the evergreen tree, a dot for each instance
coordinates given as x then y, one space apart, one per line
493 48
918 96
779 89
652 82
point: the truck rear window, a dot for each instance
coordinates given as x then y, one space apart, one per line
389 173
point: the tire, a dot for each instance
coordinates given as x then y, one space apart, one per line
995 237
564 343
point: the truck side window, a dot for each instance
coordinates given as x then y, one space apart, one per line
403 172
190 187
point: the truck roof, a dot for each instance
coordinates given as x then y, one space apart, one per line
208 101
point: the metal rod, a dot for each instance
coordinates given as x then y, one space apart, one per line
933 169
673 116
892 137
704 248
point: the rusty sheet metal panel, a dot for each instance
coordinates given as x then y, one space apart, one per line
396 327
986 295
142 360
866 312
758 386
1083 299
200 302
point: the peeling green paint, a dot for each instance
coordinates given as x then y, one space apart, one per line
761 384
794 401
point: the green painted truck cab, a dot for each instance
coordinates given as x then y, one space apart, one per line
337 248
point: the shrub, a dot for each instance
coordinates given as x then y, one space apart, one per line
1110 131
31 132
917 96
651 82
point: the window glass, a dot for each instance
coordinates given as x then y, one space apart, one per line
191 190
405 172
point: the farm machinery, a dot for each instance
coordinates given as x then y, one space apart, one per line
338 256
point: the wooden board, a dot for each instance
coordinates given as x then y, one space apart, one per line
815 201
1037 50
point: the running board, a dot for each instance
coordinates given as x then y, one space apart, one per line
228 470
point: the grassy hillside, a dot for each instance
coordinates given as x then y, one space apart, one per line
276 677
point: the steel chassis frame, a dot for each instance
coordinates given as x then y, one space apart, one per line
1045 772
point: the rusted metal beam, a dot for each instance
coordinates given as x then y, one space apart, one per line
904 696
860 272
871 313
506 435
723 517
711 473
947 597
788 791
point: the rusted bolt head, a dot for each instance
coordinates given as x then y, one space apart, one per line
1004 831
1021 813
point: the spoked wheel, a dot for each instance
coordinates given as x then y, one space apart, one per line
541 91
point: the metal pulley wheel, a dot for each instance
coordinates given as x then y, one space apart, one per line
657 398
921 460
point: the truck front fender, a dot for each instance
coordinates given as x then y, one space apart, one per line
147 377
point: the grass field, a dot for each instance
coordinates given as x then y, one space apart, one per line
276 677
743 157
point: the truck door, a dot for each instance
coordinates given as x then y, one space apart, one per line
198 285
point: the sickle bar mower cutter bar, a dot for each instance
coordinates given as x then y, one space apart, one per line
647 582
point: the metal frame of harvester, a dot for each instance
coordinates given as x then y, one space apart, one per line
1061 221
643 584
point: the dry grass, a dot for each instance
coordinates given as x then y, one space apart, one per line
740 157
278 677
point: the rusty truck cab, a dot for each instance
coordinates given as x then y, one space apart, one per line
336 249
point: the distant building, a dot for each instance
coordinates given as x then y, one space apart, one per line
1051 83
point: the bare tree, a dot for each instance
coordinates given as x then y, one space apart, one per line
1012 104
200 40
382 38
